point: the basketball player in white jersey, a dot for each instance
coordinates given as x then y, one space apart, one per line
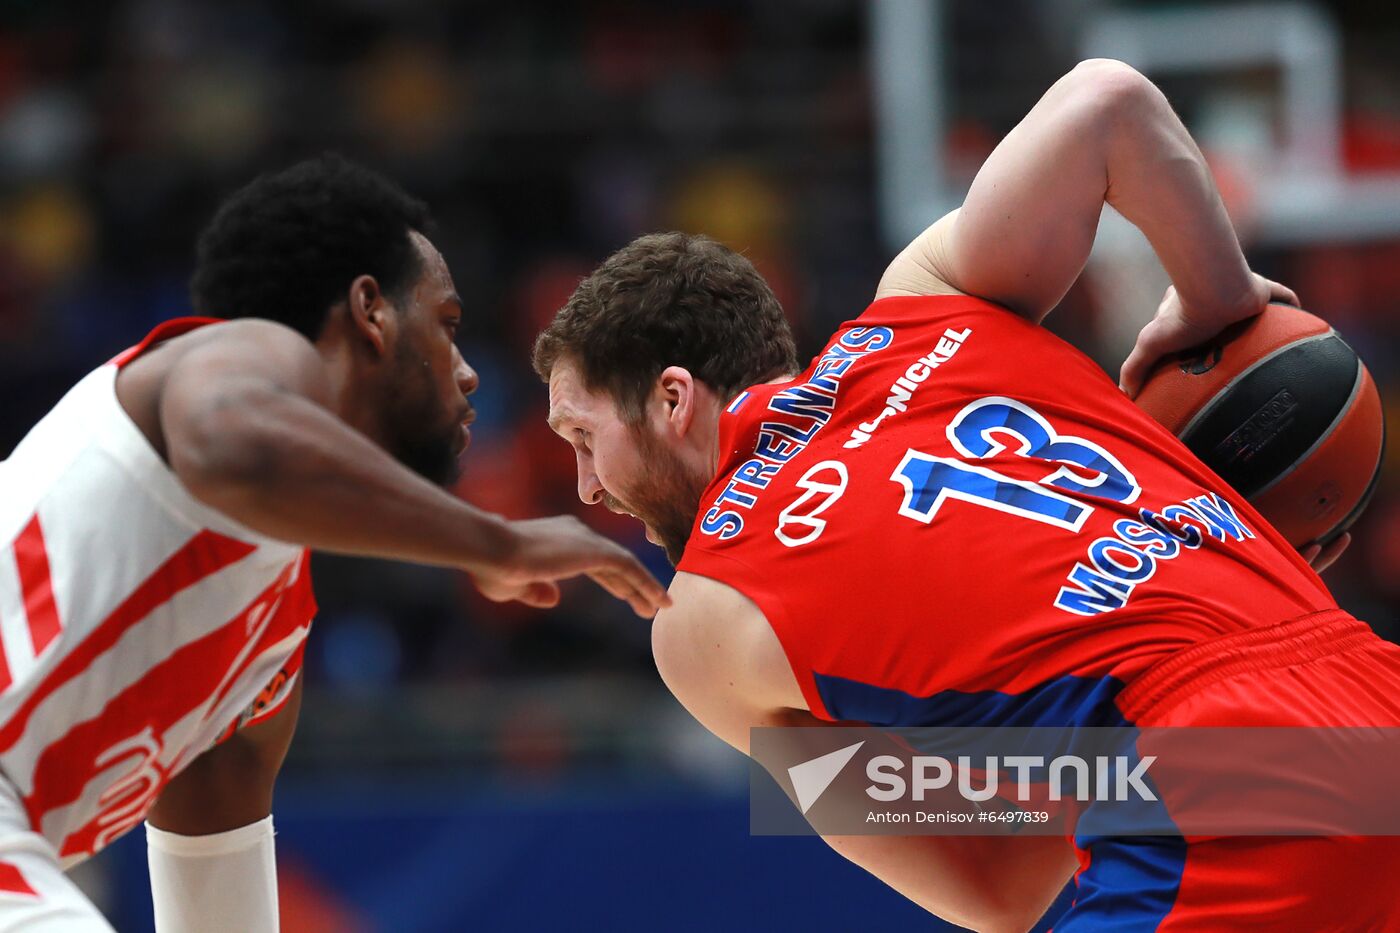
154 529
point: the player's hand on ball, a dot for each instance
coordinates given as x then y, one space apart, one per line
546 550
1177 327
1323 557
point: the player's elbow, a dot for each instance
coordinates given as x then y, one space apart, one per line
991 913
994 908
1004 895
1006 918
1112 90
1108 78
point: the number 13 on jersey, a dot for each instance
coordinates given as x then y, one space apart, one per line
990 426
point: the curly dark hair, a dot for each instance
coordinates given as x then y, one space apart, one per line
286 246
670 299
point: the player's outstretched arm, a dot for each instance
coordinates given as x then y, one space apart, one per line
717 653
248 427
1102 134
209 834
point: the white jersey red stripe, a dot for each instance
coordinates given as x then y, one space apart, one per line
32 563
138 626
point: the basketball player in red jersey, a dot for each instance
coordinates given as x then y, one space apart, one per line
952 518
154 596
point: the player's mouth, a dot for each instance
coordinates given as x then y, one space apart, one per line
650 535
465 439
613 505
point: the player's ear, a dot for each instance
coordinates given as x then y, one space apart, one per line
676 388
371 313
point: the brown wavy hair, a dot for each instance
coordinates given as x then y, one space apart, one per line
670 299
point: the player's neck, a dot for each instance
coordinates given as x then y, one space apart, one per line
706 433
350 390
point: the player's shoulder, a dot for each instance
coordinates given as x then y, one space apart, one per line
713 638
254 348
258 334
705 610
212 341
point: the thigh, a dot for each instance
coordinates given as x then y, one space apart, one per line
1259 883
1318 883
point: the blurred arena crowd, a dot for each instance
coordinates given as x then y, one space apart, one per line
543 136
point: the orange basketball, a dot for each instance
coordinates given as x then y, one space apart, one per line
1285 412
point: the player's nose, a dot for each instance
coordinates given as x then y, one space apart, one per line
590 490
467 379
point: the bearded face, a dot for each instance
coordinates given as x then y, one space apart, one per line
625 465
663 494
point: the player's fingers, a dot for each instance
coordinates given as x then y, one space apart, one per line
1134 370
625 590
1326 557
1169 299
646 601
493 591
626 566
627 594
540 594
1283 293
614 584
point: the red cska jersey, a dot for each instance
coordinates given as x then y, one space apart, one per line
953 517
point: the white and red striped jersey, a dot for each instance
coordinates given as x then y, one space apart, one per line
138 626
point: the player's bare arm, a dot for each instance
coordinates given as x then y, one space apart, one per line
244 418
1103 134
719 656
